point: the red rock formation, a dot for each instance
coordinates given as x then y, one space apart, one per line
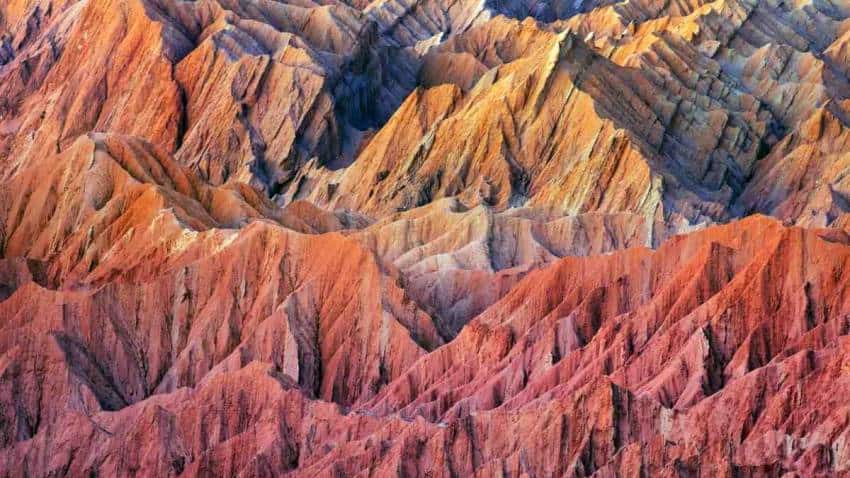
424 238
695 357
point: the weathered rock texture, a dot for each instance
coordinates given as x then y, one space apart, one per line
424 238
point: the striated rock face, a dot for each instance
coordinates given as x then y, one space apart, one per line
717 354
457 261
207 81
804 178
667 119
424 238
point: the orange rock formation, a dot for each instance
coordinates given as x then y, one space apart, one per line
424 238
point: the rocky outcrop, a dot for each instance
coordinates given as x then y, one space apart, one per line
209 82
687 102
424 238
458 261
803 180
521 144
131 263
695 357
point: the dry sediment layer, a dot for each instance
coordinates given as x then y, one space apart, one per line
424 238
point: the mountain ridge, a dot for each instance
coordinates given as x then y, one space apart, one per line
424 238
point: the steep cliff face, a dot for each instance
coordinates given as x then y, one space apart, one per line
424 238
